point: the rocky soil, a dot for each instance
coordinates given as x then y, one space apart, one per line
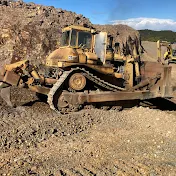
31 31
35 140
120 32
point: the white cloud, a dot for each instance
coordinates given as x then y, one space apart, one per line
148 23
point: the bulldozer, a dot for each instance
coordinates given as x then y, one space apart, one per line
89 68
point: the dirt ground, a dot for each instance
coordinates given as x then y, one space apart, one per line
37 141
34 140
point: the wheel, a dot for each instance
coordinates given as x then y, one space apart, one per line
61 102
77 81
63 106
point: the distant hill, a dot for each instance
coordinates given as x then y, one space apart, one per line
153 36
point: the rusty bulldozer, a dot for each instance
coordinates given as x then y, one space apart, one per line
89 68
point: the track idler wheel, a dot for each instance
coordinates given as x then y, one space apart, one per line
77 81
61 102
64 107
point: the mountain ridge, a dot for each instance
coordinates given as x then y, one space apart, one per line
153 36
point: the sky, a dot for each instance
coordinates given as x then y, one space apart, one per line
139 14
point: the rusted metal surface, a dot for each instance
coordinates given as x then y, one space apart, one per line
1 78
94 79
5 94
80 98
100 68
11 78
44 80
162 89
10 67
150 69
50 80
166 88
2 71
146 82
77 81
61 102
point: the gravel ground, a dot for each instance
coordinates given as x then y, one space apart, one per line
37 141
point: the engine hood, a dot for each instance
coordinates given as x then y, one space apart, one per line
62 55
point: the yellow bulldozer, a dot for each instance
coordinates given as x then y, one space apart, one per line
89 68
170 53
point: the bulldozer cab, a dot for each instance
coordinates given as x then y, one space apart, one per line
87 39
77 37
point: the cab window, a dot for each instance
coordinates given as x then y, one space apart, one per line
73 38
84 39
65 38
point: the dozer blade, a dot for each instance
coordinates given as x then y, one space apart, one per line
5 94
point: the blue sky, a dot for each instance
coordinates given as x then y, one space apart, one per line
157 14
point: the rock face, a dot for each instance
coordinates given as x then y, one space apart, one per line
31 31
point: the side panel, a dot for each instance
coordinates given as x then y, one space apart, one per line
100 46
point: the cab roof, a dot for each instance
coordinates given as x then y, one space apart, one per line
80 28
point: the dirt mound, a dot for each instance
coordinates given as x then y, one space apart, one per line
120 32
150 53
31 31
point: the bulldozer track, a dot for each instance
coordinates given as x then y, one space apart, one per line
88 75
57 86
